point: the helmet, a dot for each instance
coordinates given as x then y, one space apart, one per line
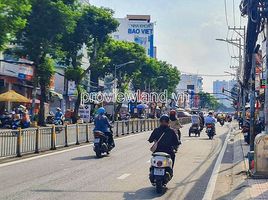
172 112
164 118
101 111
210 113
58 109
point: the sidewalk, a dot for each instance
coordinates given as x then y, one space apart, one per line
232 180
258 187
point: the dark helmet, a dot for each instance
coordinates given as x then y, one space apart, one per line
164 118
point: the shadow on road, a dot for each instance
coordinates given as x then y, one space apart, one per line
84 158
144 193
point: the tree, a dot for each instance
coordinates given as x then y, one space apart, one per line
13 15
40 39
159 75
93 25
208 101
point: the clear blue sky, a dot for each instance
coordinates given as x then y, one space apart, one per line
185 31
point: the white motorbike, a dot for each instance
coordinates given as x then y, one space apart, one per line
161 171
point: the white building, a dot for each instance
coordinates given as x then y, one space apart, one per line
138 29
190 82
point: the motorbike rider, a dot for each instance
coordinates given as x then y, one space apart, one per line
59 115
169 141
202 120
175 123
195 120
102 124
211 120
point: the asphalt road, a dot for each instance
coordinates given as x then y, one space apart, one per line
77 174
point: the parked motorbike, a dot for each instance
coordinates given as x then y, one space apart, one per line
210 131
222 122
194 129
6 122
101 144
161 171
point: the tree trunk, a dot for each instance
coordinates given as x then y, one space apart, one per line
42 104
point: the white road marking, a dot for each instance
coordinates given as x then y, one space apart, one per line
124 176
59 152
213 179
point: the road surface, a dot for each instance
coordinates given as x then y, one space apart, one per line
77 174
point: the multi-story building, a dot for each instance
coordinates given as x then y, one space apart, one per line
218 87
191 84
138 29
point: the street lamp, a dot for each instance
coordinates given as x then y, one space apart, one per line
232 74
116 67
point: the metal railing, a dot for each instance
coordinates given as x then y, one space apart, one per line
34 140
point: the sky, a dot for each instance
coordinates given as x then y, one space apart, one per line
186 30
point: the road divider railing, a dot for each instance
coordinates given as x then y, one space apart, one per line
34 140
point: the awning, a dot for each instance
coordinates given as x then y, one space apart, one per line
56 94
12 96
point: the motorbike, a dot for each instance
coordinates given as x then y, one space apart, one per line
194 129
101 144
210 131
221 122
161 171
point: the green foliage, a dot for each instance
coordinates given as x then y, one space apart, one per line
46 70
208 101
74 74
13 15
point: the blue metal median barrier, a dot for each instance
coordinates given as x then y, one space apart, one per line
33 140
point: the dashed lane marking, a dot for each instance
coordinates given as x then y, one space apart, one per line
124 176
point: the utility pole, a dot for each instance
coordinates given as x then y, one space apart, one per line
241 31
252 102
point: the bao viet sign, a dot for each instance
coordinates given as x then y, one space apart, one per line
142 34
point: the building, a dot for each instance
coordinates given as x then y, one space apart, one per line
218 86
138 29
191 84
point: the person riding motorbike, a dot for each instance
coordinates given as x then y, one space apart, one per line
59 115
202 120
211 120
175 123
103 125
169 141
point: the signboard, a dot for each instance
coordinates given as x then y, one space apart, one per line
24 72
142 33
84 113
71 88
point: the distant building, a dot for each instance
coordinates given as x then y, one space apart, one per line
217 90
138 29
191 84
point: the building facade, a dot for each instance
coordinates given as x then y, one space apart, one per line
191 84
218 86
138 29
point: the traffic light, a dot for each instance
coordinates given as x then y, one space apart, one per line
222 90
